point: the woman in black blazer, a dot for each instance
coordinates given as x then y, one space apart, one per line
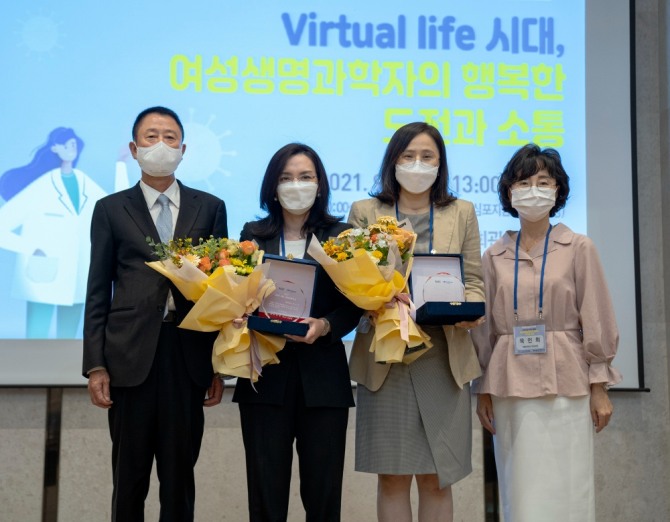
307 395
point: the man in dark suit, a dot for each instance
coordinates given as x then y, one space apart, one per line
150 375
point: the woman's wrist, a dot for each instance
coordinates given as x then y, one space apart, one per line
326 327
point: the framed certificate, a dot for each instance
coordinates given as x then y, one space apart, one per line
438 290
283 311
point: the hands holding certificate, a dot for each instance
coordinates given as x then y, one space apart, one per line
317 328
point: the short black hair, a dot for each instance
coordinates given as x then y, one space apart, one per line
272 224
526 162
387 189
156 110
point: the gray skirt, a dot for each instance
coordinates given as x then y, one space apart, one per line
419 421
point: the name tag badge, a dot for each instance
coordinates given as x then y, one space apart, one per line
529 339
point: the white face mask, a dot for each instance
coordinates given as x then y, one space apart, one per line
159 160
533 203
297 197
416 177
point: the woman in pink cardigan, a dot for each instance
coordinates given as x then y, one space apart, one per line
545 349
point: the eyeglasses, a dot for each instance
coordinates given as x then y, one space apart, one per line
541 183
303 177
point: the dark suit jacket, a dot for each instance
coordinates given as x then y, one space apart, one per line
125 299
322 366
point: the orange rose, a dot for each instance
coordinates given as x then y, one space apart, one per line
247 247
205 264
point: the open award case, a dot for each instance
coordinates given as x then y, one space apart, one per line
438 290
283 311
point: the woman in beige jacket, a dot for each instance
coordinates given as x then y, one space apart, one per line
545 350
414 420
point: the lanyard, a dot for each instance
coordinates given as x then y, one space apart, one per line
430 227
516 272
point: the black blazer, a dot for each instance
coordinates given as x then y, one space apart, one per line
125 299
322 366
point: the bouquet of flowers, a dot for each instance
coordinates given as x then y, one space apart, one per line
370 266
226 280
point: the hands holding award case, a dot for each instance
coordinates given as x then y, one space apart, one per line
283 311
436 288
438 291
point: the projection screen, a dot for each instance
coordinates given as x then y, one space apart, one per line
249 77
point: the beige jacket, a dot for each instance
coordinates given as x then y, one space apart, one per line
455 232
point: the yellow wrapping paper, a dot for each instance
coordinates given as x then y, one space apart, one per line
364 284
220 298
189 279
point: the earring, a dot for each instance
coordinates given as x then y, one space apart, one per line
275 198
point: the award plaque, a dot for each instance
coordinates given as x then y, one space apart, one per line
283 311
438 290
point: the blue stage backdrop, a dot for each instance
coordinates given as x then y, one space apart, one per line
249 77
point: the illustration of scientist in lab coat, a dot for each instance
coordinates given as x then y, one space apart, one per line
46 221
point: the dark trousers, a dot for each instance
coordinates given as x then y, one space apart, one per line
268 432
161 418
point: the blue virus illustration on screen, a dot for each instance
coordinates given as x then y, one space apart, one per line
204 153
40 34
